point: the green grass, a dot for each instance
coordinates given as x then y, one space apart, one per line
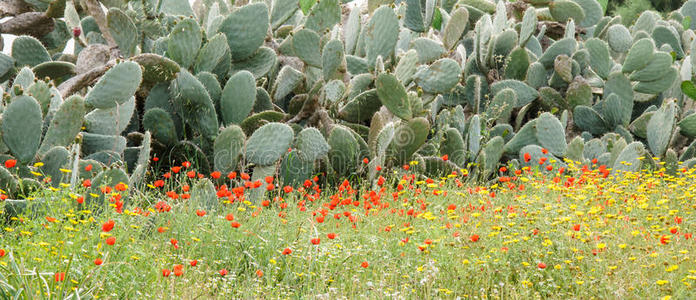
417 244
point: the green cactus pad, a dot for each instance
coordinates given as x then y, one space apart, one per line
311 144
123 30
295 168
192 100
361 108
600 61
288 79
536 75
65 125
660 128
28 51
246 29
669 36
161 125
203 195
639 56
687 126
238 97
111 121
381 34
268 143
588 119
414 16
428 50
525 93
156 68
628 159
253 122
453 146
305 44
565 46
562 10
618 84
658 86
333 61
228 148
657 67
550 134
259 64
211 54
619 38
93 143
407 66
281 11
517 64
456 26
324 15
502 105
116 86
53 160
343 154
525 136
393 95
184 42
440 77
21 127
263 101
408 137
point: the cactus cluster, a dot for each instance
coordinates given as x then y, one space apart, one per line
293 88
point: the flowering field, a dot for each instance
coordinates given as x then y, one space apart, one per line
583 233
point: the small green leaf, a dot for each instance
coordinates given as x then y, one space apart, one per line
674 56
437 20
306 5
689 89
686 22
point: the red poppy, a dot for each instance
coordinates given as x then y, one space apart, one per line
235 225
2 252
287 189
200 213
80 200
59 276
186 164
245 176
178 270
527 157
191 174
159 183
474 237
98 261
445 157
315 241
193 263
176 169
331 236
155 158
576 227
541 265
265 203
365 264
232 175
259 273
108 225
166 272
10 163
87 183
287 251
215 175
120 187
223 272
110 241
365 160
